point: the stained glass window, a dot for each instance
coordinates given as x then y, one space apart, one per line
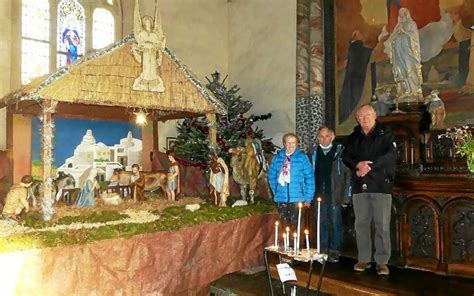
35 39
103 28
71 32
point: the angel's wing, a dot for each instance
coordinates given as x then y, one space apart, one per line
137 20
157 25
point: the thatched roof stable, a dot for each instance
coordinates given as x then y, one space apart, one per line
105 78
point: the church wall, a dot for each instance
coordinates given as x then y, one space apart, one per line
5 46
262 60
252 41
197 32
21 151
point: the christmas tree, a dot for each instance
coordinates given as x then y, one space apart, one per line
192 145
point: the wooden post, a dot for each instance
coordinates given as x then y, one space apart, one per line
211 119
47 136
155 135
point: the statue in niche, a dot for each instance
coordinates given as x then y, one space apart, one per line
148 50
403 49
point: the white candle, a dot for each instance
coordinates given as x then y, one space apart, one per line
306 232
295 244
318 238
285 246
298 231
276 234
287 236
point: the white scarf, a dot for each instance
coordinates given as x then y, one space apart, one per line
285 177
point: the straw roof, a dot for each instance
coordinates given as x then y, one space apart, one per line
106 78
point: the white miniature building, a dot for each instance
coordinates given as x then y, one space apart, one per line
89 154
128 152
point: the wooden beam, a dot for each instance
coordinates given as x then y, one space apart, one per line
155 135
83 111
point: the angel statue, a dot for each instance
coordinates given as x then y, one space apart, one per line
150 43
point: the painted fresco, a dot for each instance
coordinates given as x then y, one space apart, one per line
364 69
82 144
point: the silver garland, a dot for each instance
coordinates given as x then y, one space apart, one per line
47 134
47 204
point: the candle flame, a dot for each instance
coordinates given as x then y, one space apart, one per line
287 229
320 199
306 231
276 223
284 234
300 205
295 235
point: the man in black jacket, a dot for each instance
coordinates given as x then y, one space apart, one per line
333 186
371 155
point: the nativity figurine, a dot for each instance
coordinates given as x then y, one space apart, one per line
173 178
218 180
85 199
137 183
16 202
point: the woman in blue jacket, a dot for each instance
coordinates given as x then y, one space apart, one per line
291 179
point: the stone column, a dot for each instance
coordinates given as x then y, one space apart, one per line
309 71
47 137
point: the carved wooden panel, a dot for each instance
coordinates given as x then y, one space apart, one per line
458 217
421 232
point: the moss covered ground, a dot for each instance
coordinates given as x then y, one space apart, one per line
170 219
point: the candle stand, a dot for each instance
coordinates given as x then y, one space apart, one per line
289 256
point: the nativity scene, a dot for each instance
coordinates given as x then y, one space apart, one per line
152 148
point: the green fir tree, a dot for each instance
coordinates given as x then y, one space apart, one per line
232 128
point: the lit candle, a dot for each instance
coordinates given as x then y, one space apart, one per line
295 244
306 233
318 238
276 234
293 291
298 231
284 241
288 236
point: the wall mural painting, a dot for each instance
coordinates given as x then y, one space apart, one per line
82 144
379 40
